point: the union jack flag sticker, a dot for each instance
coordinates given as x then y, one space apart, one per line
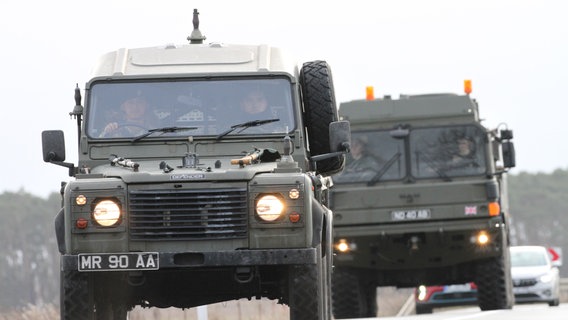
470 210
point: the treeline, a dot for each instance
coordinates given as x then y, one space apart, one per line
539 210
29 260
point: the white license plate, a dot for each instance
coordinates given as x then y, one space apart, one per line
458 288
419 214
118 261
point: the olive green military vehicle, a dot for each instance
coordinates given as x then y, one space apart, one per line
181 197
422 201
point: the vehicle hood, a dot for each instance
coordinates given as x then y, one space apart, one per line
528 272
151 171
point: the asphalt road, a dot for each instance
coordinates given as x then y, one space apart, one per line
519 312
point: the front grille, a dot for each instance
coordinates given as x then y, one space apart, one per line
524 282
455 295
158 215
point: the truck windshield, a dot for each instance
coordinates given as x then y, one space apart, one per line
375 156
435 153
205 107
446 152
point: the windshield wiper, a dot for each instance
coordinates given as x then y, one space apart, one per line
245 125
162 130
441 173
384 169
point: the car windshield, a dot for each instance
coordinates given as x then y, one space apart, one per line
194 107
528 259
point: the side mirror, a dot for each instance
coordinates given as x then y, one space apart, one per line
339 136
53 145
508 154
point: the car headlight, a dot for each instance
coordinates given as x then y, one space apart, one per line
107 213
422 293
269 207
546 278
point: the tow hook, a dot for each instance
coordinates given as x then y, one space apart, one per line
244 274
414 240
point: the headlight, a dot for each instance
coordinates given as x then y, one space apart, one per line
546 278
106 213
269 208
422 293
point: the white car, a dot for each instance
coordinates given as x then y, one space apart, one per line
535 277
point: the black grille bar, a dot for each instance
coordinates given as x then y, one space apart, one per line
195 214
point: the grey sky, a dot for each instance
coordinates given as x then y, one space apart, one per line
513 50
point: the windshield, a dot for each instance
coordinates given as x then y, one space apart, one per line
528 258
439 153
374 156
446 152
184 107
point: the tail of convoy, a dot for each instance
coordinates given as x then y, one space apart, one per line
422 201
182 197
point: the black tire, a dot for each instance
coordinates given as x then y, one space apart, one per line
353 297
423 309
308 290
320 110
82 300
554 303
494 284
77 300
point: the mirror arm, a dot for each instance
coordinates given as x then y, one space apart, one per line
70 166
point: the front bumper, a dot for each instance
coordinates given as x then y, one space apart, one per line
419 245
539 292
177 260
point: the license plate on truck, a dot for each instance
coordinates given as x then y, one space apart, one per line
118 261
419 214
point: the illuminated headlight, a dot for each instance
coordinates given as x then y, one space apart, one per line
106 213
269 208
344 247
546 278
422 293
482 238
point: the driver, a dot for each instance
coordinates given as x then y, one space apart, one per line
134 121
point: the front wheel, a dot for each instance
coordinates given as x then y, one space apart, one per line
353 296
85 298
494 284
308 290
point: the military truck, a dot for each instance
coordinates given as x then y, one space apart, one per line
198 201
422 201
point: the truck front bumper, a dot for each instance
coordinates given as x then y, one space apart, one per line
171 260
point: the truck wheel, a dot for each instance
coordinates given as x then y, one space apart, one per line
319 111
77 300
308 291
423 310
81 300
352 297
494 284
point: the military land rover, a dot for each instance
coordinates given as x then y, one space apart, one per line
183 197
422 201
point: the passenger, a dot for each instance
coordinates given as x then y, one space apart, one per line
359 160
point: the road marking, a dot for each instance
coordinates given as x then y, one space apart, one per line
476 315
